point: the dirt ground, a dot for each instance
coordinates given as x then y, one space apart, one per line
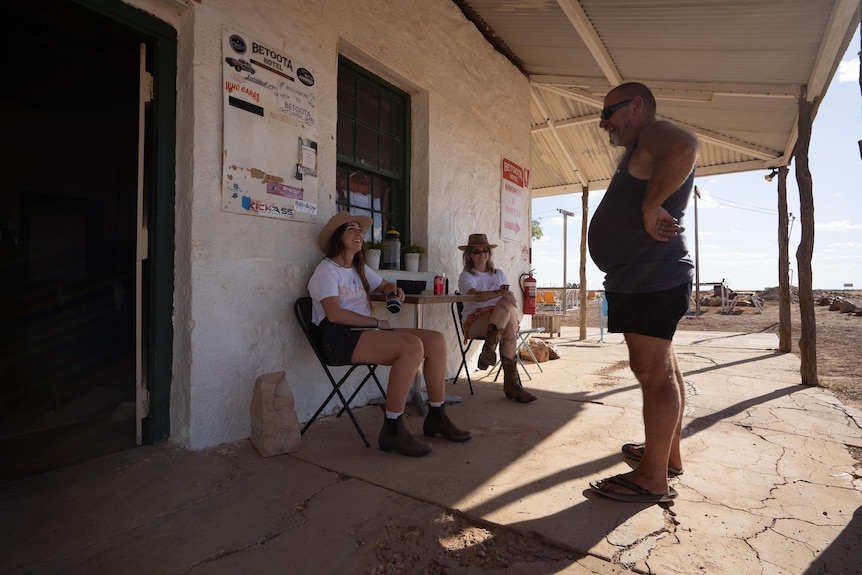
839 336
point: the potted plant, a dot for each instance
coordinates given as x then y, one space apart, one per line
373 249
411 257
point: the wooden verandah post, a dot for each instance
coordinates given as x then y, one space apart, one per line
582 292
784 327
808 338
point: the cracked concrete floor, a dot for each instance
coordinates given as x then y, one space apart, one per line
769 486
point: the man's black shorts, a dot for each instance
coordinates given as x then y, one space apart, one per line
655 314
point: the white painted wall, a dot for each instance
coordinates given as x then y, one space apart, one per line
237 275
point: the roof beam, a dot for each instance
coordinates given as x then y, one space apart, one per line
561 148
570 123
566 189
705 135
734 168
575 94
579 20
828 55
702 171
585 88
727 142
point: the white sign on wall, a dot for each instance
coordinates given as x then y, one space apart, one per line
270 143
513 201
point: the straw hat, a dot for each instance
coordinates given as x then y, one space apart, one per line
477 240
337 221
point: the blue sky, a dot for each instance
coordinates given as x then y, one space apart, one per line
737 213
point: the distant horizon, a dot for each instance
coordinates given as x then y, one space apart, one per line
736 289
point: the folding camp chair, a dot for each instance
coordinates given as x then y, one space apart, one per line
523 337
540 299
457 308
551 301
302 309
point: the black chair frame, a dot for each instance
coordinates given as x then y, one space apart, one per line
302 309
457 308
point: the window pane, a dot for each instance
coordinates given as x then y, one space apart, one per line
388 153
383 194
346 93
360 189
367 213
376 232
344 138
341 185
366 145
389 115
366 103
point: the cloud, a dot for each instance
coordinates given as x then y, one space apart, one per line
841 248
842 226
706 201
848 71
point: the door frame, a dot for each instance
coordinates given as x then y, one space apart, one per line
160 173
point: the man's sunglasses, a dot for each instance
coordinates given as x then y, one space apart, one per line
610 110
476 252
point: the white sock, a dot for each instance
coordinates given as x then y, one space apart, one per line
436 403
393 414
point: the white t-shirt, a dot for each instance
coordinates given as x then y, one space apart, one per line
330 279
480 281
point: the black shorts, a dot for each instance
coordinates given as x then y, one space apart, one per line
655 314
338 342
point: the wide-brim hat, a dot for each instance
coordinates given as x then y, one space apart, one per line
476 240
336 222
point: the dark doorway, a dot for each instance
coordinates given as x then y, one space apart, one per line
67 237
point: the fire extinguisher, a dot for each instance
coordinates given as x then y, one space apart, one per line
528 286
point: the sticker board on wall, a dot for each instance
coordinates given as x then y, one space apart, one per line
270 126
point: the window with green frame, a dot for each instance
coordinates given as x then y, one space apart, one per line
372 150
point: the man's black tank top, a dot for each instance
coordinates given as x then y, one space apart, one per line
633 261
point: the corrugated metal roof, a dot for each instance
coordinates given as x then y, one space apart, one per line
729 70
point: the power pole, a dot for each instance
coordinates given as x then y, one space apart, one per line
696 257
566 216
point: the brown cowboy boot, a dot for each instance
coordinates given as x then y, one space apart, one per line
437 422
395 437
488 357
512 382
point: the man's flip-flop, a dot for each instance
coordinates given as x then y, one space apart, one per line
635 452
640 494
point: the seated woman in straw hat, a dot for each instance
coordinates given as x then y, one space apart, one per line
494 315
340 290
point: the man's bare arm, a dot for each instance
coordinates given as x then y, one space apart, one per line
673 152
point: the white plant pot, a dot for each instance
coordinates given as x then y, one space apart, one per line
372 258
411 262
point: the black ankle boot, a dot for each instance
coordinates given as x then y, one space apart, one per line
437 422
395 437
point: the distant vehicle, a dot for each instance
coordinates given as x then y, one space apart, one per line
239 65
